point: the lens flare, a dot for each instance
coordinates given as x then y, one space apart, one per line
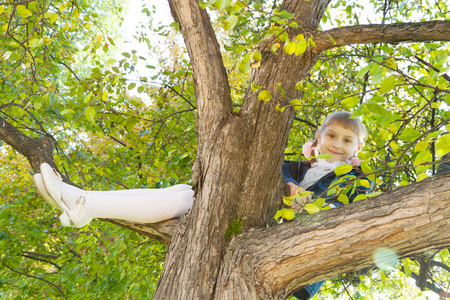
385 258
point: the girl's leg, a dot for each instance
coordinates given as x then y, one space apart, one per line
163 191
145 205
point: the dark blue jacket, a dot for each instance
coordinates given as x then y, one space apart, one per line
294 171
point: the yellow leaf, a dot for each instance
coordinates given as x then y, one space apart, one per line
342 169
365 183
264 96
23 11
421 146
394 145
288 214
311 208
421 176
343 198
288 200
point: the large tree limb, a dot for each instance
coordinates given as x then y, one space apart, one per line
410 221
391 33
211 81
36 150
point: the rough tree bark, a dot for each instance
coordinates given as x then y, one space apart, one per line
237 177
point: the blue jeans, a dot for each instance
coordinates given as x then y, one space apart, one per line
308 291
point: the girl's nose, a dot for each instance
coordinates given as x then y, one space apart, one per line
337 144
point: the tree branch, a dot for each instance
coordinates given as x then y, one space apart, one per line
315 247
392 33
211 81
36 150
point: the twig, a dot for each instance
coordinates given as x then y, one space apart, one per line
38 278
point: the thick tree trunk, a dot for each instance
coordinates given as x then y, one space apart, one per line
237 173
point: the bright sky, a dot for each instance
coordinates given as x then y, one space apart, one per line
132 25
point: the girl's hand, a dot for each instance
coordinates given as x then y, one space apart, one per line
299 204
293 188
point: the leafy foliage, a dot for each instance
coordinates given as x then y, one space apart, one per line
62 77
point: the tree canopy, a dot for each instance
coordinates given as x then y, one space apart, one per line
254 79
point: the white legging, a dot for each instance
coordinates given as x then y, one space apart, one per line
140 205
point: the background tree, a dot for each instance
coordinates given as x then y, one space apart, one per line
400 91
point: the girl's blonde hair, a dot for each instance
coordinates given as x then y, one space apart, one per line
344 119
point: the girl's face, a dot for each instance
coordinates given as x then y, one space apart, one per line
342 143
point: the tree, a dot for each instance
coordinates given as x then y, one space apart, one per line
227 245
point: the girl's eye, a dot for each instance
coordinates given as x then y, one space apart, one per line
348 141
331 135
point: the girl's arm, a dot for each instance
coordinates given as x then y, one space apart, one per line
289 171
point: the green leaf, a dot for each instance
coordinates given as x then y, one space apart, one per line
367 170
88 97
264 96
388 84
444 71
406 266
319 203
409 135
90 113
140 89
363 71
443 145
299 85
67 111
220 4
51 16
131 86
254 87
34 43
245 64
230 22
23 11
332 40
360 197
378 109
350 102
423 157
110 62
6 55
257 56
342 169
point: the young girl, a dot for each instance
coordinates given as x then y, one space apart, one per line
342 137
